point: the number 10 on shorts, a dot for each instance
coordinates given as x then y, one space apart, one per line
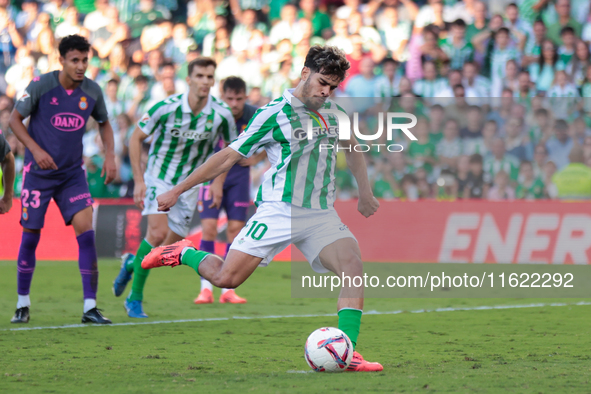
257 230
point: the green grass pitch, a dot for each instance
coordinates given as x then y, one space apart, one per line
543 349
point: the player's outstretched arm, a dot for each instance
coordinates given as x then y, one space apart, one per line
42 158
217 164
8 180
368 204
135 158
109 166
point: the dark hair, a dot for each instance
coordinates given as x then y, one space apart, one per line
167 64
201 62
389 60
73 43
141 78
541 111
567 30
541 60
512 5
476 158
524 163
503 30
561 125
459 23
327 60
234 84
115 81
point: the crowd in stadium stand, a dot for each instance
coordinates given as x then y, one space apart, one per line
436 59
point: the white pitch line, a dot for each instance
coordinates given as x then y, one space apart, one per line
475 308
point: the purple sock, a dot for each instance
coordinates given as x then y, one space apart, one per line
87 262
207 246
26 262
227 249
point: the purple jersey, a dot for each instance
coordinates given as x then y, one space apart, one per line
58 119
239 173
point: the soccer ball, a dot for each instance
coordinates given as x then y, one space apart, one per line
328 349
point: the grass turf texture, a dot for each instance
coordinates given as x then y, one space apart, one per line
543 349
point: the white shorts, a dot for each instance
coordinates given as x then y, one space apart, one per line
181 214
277 224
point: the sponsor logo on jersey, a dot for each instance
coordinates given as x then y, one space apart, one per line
25 96
83 104
190 134
54 101
145 118
66 121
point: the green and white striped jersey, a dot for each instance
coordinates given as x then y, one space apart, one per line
302 171
181 140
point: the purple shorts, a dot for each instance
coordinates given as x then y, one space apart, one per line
235 201
70 192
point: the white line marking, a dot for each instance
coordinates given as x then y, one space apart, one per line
474 308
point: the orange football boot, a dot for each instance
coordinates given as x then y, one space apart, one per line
231 297
358 364
205 297
169 255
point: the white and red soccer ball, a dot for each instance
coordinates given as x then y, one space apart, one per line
328 349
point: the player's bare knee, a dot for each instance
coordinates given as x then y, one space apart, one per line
351 264
156 235
209 230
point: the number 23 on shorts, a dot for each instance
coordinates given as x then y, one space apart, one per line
257 230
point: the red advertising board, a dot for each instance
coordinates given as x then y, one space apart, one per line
473 231
423 231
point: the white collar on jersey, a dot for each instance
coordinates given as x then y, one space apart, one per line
291 99
187 109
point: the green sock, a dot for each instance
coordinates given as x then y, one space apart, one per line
193 257
139 274
349 323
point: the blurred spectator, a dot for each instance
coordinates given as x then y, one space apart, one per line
477 184
457 49
501 190
320 21
70 25
573 182
107 37
430 85
99 18
560 144
147 14
500 160
449 149
515 140
474 84
529 187
540 158
422 153
563 9
387 85
395 34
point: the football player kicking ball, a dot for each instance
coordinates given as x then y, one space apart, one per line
295 200
185 129
59 104
236 193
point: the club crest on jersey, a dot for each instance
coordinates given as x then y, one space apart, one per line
83 104
25 214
